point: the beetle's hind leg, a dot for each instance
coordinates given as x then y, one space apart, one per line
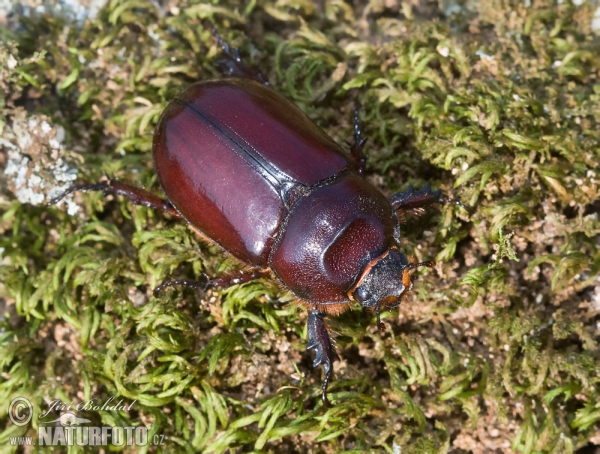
416 201
137 196
356 150
325 354
233 63
224 281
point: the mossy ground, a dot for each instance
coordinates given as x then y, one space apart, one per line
496 103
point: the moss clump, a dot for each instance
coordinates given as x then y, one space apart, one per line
496 350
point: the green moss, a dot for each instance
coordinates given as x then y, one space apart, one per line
498 105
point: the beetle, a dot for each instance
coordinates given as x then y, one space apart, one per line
246 168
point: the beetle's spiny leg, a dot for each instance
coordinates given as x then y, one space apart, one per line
325 354
180 283
415 201
137 196
356 150
234 64
411 200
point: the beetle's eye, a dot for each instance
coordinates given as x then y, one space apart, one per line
362 295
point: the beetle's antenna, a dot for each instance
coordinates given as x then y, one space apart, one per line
429 264
407 279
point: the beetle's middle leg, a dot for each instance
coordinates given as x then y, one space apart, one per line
416 201
234 64
224 281
136 195
325 354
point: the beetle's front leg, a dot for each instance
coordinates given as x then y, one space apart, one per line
224 281
136 195
234 64
325 354
417 201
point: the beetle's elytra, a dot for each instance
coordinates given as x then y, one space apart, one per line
248 169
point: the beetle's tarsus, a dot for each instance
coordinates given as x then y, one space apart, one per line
205 282
468 209
325 354
137 196
234 64
356 150
181 283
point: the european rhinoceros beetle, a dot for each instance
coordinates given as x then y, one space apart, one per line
248 169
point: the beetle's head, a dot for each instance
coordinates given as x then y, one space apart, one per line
384 281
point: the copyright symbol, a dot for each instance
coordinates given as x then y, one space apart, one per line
20 411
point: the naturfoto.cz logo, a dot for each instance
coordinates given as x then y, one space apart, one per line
70 430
